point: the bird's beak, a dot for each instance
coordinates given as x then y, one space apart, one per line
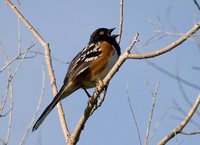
115 35
110 31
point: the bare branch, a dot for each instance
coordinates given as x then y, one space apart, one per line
49 64
121 20
53 58
4 100
154 94
168 48
180 127
173 34
182 111
93 99
134 117
190 133
11 110
17 58
100 100
9 89
38 106
73 138
19 28
34 54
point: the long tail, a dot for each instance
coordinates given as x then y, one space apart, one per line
48 109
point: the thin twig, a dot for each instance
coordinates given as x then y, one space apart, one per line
4 100
169 20
186 98
173 34
152 39
182 80
18 57
180 127
168 48
19 28
181 110
11 76
49 65
134 117
75 136
20 62
121 20
135 40
38 106
53 58
11 111
157 125
190 133
154 94
35 53
9 89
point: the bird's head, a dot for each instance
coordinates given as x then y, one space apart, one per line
102 34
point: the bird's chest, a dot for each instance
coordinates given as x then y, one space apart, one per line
104 63
110 63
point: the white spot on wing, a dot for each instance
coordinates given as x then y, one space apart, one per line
82 70
88 46
91 58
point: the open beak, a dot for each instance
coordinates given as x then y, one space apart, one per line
115 35
110 31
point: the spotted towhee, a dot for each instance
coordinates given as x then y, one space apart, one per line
89 65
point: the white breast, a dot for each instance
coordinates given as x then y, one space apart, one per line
113 59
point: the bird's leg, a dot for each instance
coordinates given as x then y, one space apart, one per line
91 99
99 85
87 93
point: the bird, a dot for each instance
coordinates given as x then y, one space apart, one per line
88 66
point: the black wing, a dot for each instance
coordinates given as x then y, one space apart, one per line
81 62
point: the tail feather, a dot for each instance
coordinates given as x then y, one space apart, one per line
50 107
64 92
45 113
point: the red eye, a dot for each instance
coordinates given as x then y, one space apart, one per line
102 33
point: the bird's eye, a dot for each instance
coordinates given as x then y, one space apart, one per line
101 33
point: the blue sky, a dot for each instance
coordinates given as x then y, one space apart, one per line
66 26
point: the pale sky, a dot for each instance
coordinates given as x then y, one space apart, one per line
67 26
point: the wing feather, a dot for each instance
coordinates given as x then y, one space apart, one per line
81 61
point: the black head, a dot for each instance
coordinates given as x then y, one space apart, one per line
101 34
104 34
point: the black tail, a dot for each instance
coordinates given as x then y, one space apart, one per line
46 112
50 107
64 92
